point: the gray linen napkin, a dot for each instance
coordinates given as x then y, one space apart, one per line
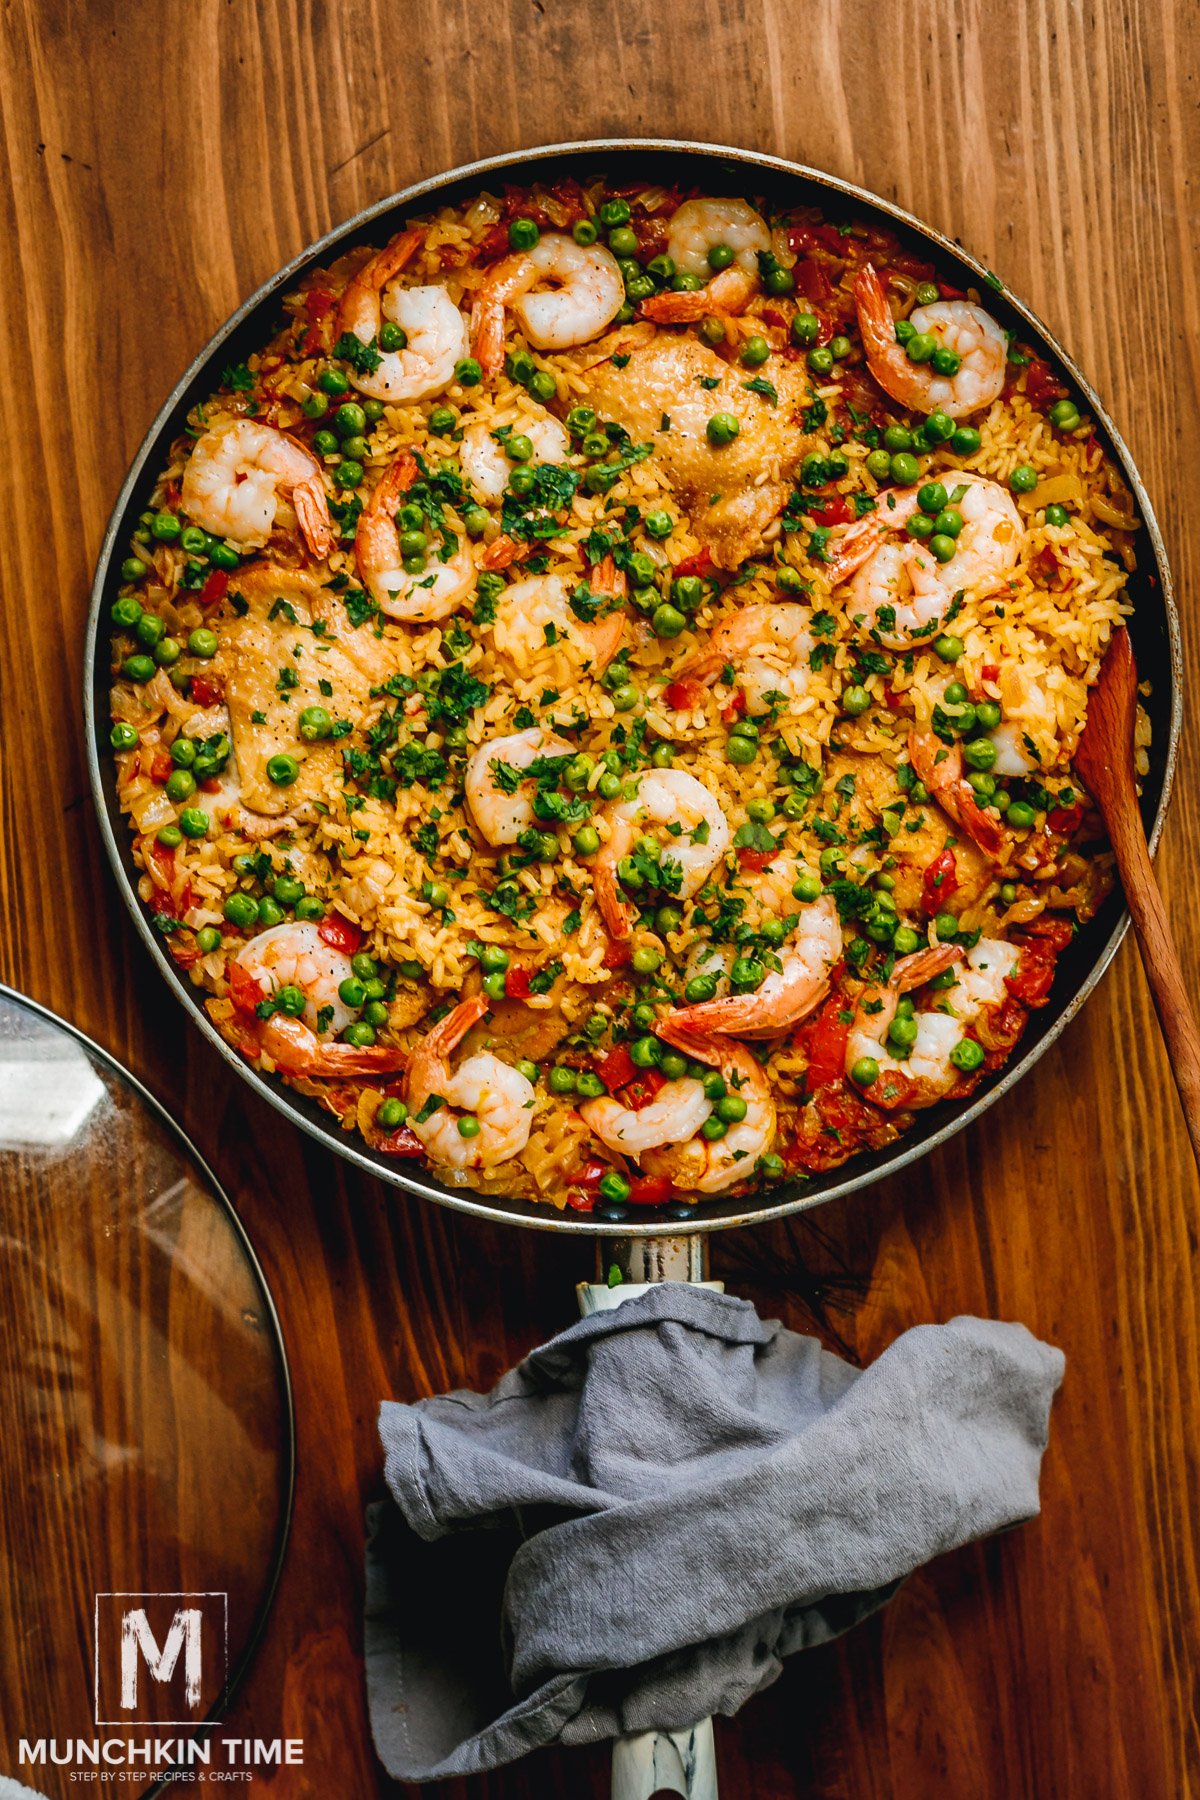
641 1519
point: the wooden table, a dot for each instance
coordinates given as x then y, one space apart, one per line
159 163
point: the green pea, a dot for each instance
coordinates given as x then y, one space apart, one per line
879 465
180 785
183 752
522 480
699 989
981 783
165 527
760 810
673 1065
133 568
897 438
755 352
223 556
325 444
269 912
667 621
945 361
920 526
287 890
614 1187
169 836
1064 414
906 941
987 715
208 939
333 382
865 1072
316 406
686 284
609 786
203 643
584 232
932 497
580 421
687 591
965 440
713 1128
741 750
1021 815
946 926
942 547
640 288
949 648
806 887
980 753
720 257
123 737
600 477
712 331
646 1052
282 770
1057 516
815 470
310 908
523 234
350 420
495 986
543 386
360 1034
150 630
820 359
731 1109
241 910
518 448
348 473
722 428
905 469
777 280
949 522
193 823
1023 479
467 372
622 241
646 959
920 347
747 973
392 1113
475 520
902 1032
745 728
626 697
126 612
855 700
614 212
967 1055
392 337
561 1079
806 328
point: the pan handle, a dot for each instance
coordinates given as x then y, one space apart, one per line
655 1762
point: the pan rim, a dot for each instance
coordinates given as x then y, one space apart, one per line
469 1200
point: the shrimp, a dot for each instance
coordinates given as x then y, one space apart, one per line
699 838
726 295
435 590
295 955
584 295
699 226
235 475
890 570
486 466
940 767
710 1165
788 993
436 331
528 609
972 334
926 1072
502 815
1029 720
768 645
495 1096
675 1114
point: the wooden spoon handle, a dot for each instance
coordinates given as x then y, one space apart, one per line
1161 961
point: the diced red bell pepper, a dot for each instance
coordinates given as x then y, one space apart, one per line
990 672
806 237
940 881
643 1090
683 695
650 1190
160 765
830 509
340 933
1064 819
700 564
402 1142
215 587
826 1039
244 991
516 984
204 691
592 1173
756 860
579 1201
617 1068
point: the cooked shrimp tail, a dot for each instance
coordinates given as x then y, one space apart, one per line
293 1048
940 767
726 295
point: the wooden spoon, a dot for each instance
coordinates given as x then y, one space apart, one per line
1104 760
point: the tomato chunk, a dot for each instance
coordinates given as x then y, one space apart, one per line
650 1190
617 1069
940 881
826 1036
340 933
682 696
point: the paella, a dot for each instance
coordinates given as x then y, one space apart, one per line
594 695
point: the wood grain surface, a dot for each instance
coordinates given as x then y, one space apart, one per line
159 162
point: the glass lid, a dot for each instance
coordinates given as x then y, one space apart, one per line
146 1449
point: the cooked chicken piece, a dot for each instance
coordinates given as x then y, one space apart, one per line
733 491
515 1030
271 664
876 787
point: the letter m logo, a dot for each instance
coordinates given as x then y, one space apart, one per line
160 1658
